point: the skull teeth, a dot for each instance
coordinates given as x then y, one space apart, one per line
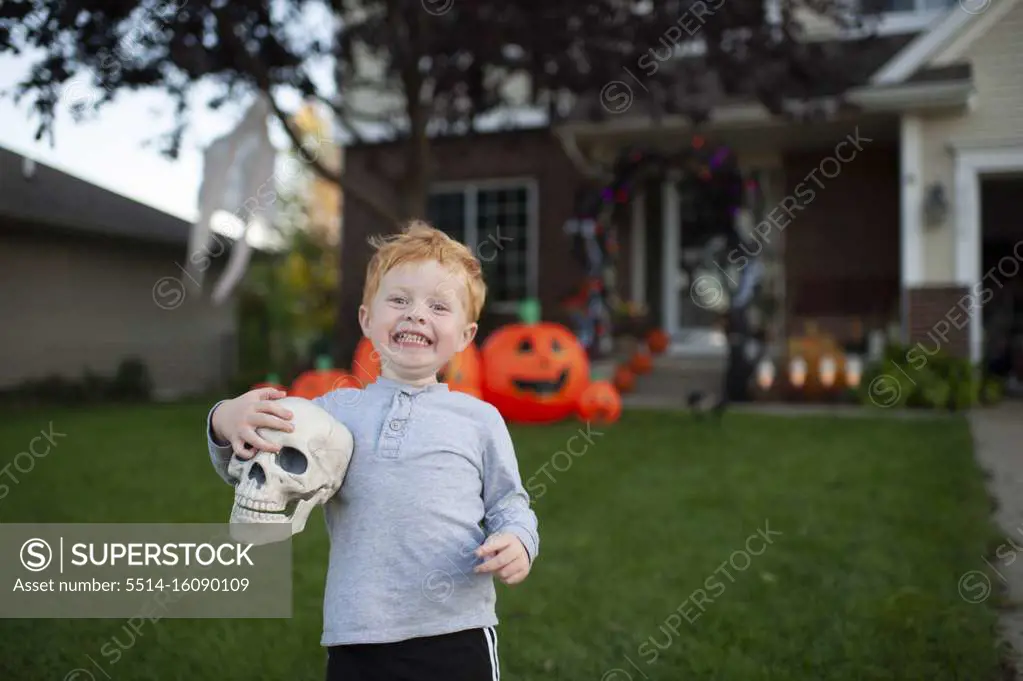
258 505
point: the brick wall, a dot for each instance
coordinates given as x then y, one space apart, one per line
532 154
842 248
935 319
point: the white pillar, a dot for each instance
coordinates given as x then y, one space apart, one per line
670 216
967 230
911 203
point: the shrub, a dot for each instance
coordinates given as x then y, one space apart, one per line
130 383
939 382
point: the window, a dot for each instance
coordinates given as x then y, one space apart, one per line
498 221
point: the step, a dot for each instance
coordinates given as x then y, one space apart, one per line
673 378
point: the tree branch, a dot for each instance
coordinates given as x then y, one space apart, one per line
350 191
262 79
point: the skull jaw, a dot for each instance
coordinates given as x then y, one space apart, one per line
251 526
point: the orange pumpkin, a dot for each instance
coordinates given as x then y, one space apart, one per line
657 340
624 379
365 363
534 373
600 403
321 380
270 382
464 372
641 363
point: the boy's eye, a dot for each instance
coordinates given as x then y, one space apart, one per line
400 300
440 307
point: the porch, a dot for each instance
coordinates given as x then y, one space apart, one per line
820 213
860 239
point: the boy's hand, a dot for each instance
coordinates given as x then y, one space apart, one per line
235 421
510 560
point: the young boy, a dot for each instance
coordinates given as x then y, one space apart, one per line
432 505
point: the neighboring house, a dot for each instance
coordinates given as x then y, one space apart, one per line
911 177
89 278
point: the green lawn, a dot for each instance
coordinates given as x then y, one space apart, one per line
872 523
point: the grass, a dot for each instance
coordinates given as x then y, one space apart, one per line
872 522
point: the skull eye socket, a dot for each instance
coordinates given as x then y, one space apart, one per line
292 461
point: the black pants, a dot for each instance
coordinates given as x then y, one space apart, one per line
469 655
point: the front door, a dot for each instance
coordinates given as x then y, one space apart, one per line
699 232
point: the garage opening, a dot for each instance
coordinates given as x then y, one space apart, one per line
1002 269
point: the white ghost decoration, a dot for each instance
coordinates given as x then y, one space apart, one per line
283 487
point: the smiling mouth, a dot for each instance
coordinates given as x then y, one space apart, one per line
411 338
542 387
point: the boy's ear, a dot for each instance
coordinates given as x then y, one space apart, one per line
364 319
468 334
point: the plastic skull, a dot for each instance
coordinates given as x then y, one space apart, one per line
283 487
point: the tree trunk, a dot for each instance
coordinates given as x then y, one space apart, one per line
356 253
412 200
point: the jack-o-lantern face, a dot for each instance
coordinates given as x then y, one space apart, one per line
534 372
600 403
463 372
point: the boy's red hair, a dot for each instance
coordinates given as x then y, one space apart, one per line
420 241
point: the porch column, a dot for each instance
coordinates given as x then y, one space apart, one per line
910 200
637 245
670 216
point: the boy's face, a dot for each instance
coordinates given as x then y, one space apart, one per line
417 320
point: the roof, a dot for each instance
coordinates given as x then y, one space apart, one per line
945 42
940 74
850 63
52 198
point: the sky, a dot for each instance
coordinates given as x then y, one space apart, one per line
114 148
109 149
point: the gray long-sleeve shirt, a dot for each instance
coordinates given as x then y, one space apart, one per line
433 474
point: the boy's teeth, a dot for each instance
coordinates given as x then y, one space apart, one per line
412 338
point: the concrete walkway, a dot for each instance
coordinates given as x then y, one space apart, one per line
998 445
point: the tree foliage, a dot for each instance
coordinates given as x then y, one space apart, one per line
288 300
409 70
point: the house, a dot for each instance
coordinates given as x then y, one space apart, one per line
890 209
89 278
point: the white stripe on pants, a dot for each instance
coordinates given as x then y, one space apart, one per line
491 635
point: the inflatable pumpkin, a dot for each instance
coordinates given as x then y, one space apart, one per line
624 379
534 373
365 363
657 340
464 372
272 381
321 380
600 403
641 363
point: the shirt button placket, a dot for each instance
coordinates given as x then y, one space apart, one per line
394 429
